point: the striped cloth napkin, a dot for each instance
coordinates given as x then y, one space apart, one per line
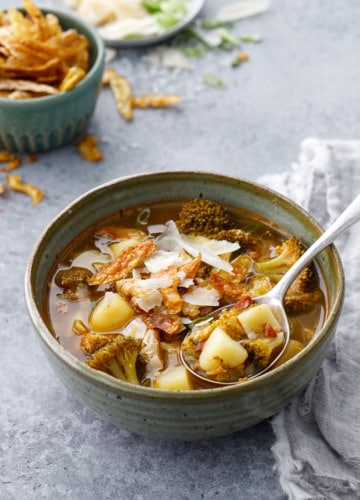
317 446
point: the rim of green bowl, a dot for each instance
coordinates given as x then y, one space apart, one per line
111 384
96 42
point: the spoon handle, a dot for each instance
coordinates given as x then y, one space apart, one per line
349 216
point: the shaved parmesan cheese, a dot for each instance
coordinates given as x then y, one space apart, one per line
154 283
202 297
149 301
186 283
156 228
219 247
172 240
136 329
151 351
162 260
240 10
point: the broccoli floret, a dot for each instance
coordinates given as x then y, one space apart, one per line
92 342
248 241
204 217
307 281
69 278
286 255
304 294
73 281
263 350
119 359
302 303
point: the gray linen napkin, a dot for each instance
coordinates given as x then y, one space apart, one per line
317 445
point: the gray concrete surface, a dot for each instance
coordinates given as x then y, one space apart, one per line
302 80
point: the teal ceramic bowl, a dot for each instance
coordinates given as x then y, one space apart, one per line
181 415
45 123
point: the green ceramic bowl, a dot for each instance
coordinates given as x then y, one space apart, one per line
186 415
45 123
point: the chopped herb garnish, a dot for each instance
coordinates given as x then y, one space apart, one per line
200 319
228 40
214 23
213 81
194 51
250 38
143 218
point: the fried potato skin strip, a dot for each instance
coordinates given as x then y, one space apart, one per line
33 46
130 258
73 76
15 182
12 165
26 86
155 100
88 148
121 89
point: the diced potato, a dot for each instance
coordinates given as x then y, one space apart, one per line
111 313
221 346
175 378
293 347
119 246
254 318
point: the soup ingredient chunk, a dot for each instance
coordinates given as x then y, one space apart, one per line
175 378
219 350
110 313
236 344
127 260
120 359
285 256
203 217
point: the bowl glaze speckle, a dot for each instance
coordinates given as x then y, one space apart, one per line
45 123
182 415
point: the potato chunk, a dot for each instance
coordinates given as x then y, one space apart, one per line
254 319
175 378
111 312
220 347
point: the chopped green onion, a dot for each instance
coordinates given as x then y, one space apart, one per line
213 23
166 20
143 218
200 319
194 51
251 38
213 81
228 40
152 5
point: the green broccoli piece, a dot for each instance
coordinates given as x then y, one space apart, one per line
302 303
263 350
286 255
204 217
307 281
304 294
119 358
248 241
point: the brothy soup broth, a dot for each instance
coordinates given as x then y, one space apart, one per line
124 292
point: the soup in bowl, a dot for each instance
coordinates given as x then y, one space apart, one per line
121 275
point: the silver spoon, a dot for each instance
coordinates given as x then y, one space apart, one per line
275 297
